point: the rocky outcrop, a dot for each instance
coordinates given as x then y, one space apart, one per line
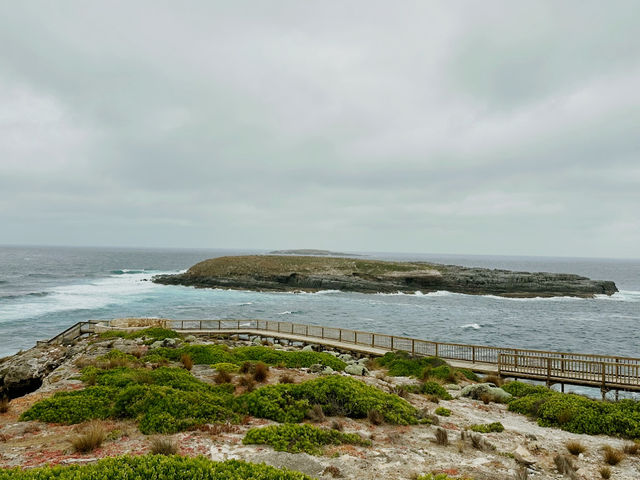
23 373
286 273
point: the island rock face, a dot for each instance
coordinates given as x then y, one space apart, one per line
306 273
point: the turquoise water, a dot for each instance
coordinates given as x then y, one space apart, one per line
43 290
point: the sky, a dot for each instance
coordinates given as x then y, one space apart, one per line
494 127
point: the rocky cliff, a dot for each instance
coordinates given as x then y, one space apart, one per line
291 273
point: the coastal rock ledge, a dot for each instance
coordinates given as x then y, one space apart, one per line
307 273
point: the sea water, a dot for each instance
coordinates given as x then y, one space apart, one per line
43 290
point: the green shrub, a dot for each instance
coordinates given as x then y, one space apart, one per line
521 389
443 412
167 410
401 364
214 354
165 400
487 427
434 388
295 438
341 396
154 334
226 367
158 467
73 407
578 414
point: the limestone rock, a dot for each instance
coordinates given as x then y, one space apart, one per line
23 373
307 348
481 391
356 369
523 456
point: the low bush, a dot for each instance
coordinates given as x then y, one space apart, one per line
213 354
153 334
340 396
226 367
222 377
158 467
434 388
73 407
443 412
295 438
487 427
165 400
576 413
402 364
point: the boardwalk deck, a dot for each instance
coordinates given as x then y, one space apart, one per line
606 372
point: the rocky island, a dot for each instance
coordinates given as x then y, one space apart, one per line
311 273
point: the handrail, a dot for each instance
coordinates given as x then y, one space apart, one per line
457 351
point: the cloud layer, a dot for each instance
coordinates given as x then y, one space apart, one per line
451 127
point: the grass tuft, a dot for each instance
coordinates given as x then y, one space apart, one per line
574 447
163 446
612 456
89 439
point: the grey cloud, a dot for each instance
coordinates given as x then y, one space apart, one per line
463 127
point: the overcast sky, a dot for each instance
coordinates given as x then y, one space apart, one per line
480 127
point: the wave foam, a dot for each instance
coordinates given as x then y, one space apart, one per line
475 326
84 296
622 296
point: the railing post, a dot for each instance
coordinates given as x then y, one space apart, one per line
181 324
515 359
355 337
306 330
473 354
413 346
373 339
392 337
322 332
200 325
219 324
548 371
278 327
436 349
499 364
340 335
604 375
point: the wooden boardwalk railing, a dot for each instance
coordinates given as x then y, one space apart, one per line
608 372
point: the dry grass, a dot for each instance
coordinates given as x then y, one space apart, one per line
163 446
333 471
605 472
375 417
632 448
564 464
574 447
432 398
315 414
247 382
187 362
337 425
222 377
521 474
261 372
612 456
90 438
246 367
400 390
4 405
286 378
442 437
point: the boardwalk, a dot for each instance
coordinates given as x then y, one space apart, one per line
601 371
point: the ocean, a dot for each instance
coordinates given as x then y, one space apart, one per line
43 290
